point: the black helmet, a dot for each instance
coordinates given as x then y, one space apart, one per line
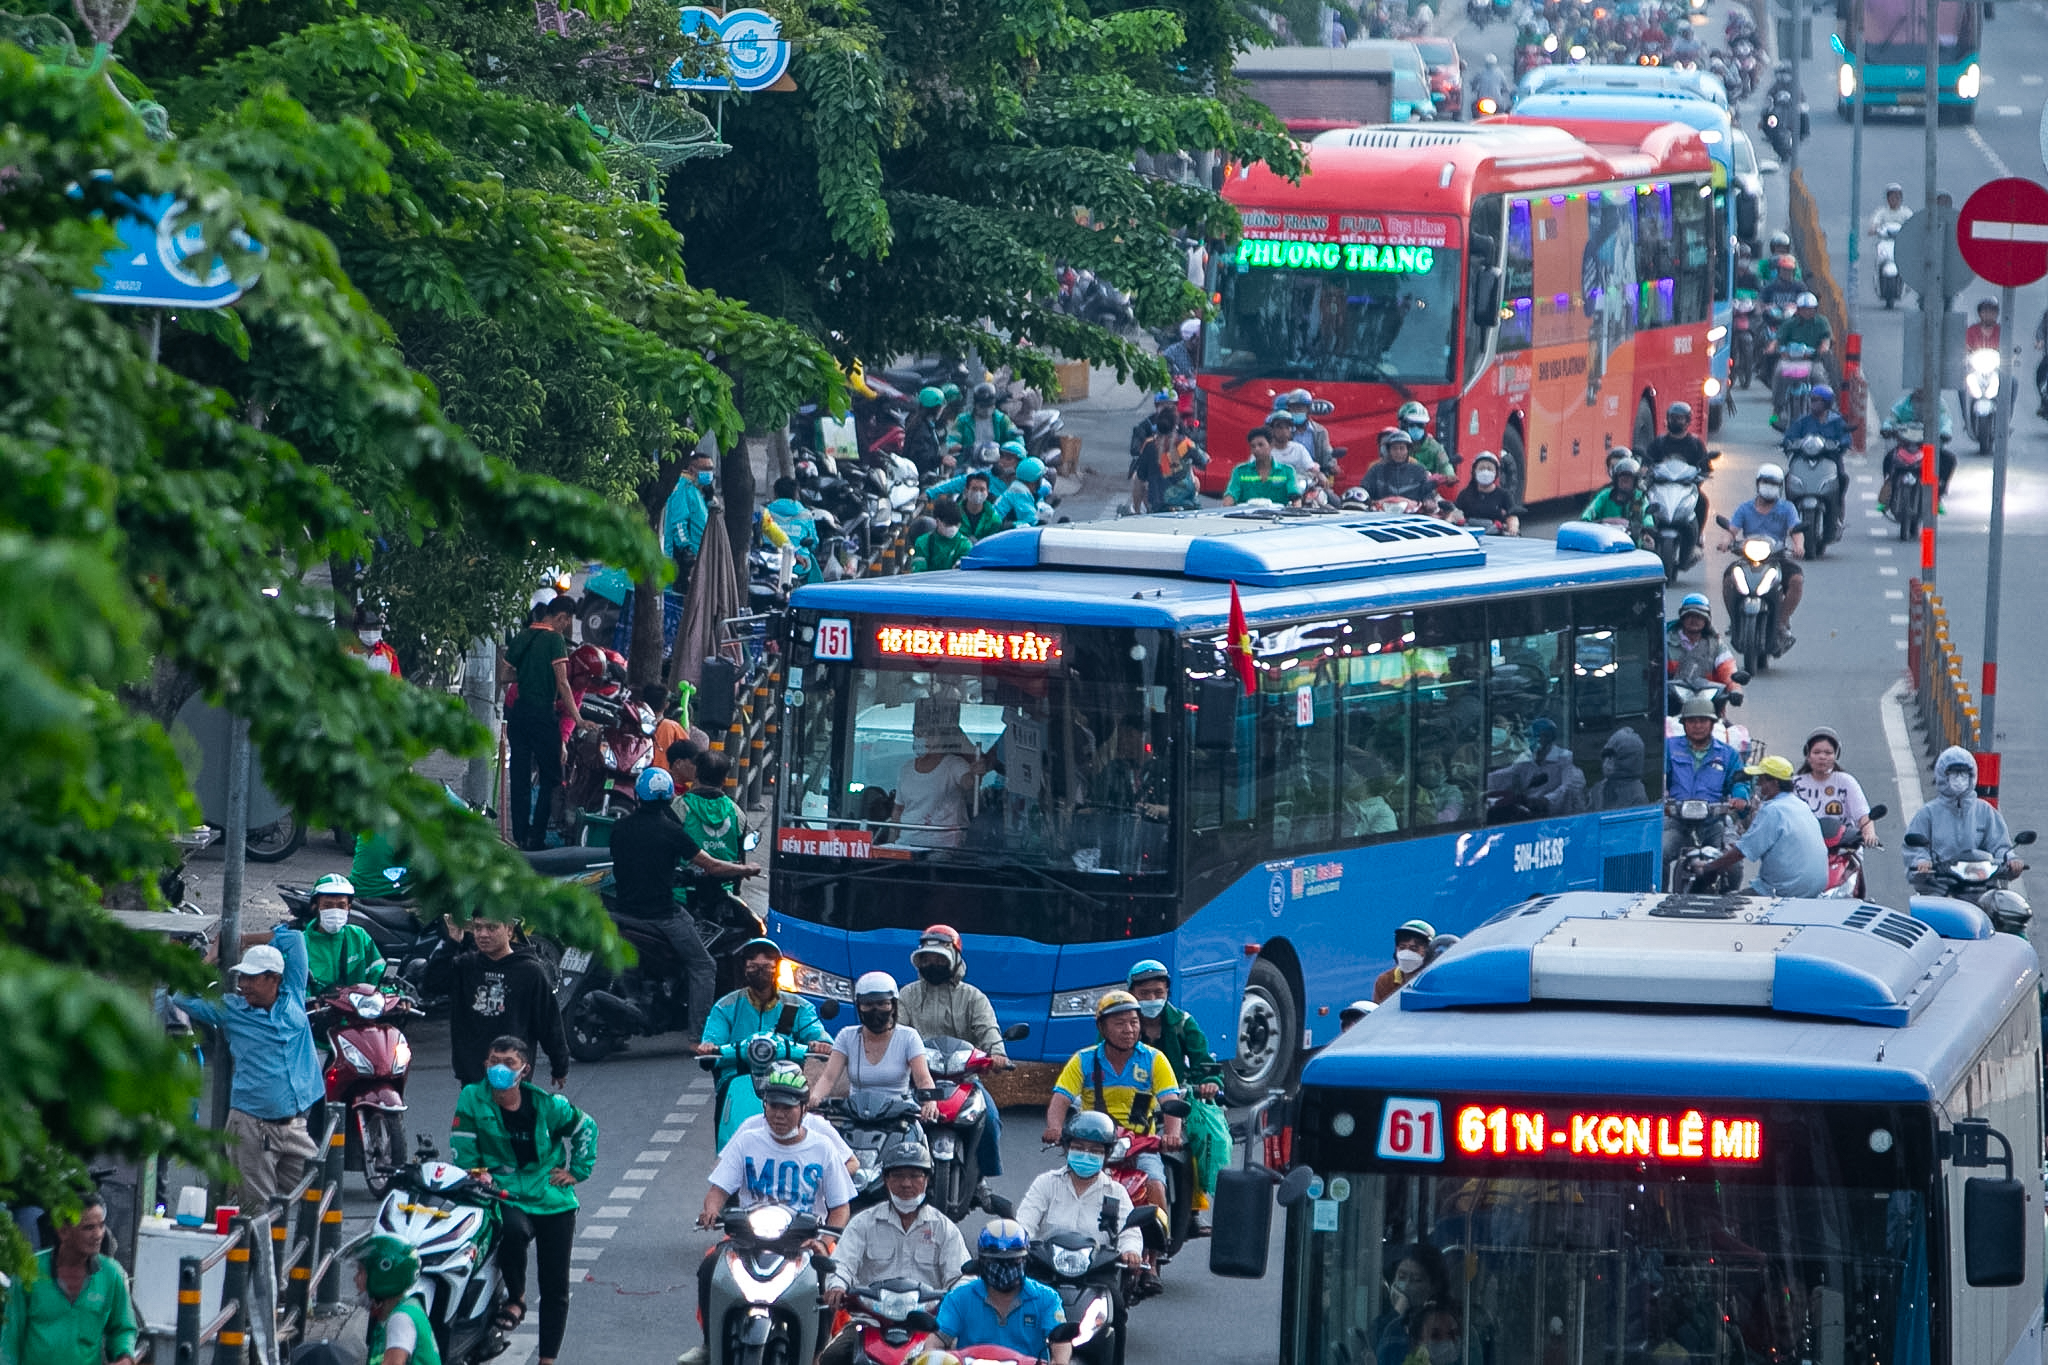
1625 465
1678 416
984 395
906 1149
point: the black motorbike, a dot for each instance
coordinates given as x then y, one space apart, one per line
1696 819
1755 588
1089 1278
1981 880
869 1120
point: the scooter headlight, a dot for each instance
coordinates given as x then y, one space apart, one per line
1767 582
353 1055
1578 53
944 1147
1692 810
1741 579
897 1304
367 1004
1071 1262
770 1221
401 1056
1093 1322
1984 361
1974 871
1756 549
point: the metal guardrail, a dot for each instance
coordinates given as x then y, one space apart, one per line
1948 709
298 1259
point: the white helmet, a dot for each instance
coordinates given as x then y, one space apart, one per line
1492 60
1806 301
875 985
1769 473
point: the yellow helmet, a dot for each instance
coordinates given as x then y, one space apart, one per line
1115 1002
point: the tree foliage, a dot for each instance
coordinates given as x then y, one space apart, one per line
938 160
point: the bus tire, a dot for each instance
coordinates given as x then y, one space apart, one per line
1268 1034
1512 466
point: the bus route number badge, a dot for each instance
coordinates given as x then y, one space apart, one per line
1411 1130
835 639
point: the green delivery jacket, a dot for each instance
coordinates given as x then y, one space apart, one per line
563 1135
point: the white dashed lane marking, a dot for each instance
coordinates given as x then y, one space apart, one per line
654 1154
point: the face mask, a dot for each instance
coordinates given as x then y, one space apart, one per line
501 1077
1003 1277
1957 782
1415 433
877 1021
1401 1293
760 978
975 498
1151 1009
1408 959
1087 1165
703 478
333 919
1768 492
1485 478
920 746
1443 1352
906 1207
370 638
938 973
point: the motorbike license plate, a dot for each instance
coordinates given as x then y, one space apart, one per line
575 959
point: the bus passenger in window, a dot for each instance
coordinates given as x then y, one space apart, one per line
1417 1281
1621 772
1437 799
1365 807
934 790
1547 782
1434 1337
1130 778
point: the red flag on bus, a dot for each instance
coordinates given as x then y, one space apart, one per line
1240 647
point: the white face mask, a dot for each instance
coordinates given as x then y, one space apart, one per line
1408 960
1484 477
370 638
1956 782
1443 1352
1768 492
920 746
334 919
906 1207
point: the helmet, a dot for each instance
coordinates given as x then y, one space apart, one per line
1150 969
1695 603
1281 414
1895 188
1806 301
1770 473
1115 1002
1188 328
586 665
929 397
1013 448
1090 1125
1165 396
1784 260
755 945
906 1149
1393 436
1697 708
952 392
1413 414
1357 1009
653 784
1301 397
1678 416
1487 457
938 938
1003 1239
1030 469
1982 304
390 1265
1826 733
1625 465
1422 928
875 986
1778 241
1823 393
785 1084
334 884
984 395
1492 60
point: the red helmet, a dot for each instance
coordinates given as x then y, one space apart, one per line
940 933
586 665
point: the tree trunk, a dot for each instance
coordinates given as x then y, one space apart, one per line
781 463
163 694
736 473
644 661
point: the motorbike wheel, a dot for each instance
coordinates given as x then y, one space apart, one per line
1909 518
1268 1027
590 1040
275 842
1670 562
1813 531
380 1133
1752 649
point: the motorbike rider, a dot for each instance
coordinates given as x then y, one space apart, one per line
1078 1197
1262 478
979 516
1623 499
781 1162
1806 327
1822 420
759 1006
1783 838
1677 442
337 953
1411 955
1311 433
1491 83
1164 417
400 1332
983 424
1957 822
647 847
902 1237
1426 450
1893 212
1768 514
1694 652
1982 335
2041 365
1000 1306
1784 286
1746 279
1176 1034
881 1052
1484 498
1166 467
1291 452
1183 356
1698 767
1907 413
1394 474
1827 790
1019 501
940 1004
924 439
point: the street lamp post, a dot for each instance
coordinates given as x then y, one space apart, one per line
1935 303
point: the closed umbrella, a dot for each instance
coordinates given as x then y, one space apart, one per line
715 595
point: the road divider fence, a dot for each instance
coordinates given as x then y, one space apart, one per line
1947 707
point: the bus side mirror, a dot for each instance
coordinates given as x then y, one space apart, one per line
1745 216
1994 1232
1241 1227
1486 286
1216 712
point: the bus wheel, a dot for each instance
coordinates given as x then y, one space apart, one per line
1512 462
1268 1030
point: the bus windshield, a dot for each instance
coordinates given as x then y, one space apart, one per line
1372 316
1896 31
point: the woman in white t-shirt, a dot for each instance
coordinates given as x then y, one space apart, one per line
935 790
878 1054
1827 790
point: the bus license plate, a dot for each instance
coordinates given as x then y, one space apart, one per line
575 959
1412 1130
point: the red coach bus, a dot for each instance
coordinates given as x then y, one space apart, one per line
1543 295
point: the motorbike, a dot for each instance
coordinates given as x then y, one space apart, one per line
1845 855
603 762
450 1218
764 1289
1980 389
893 1318
1742 347
1087 1276
957 1068
1122 1167
1695 818
1903 503
1981 880
1795 374
1732 733
1754 587
1813 481
1890 284
746 1063
369 1058
1479 13
1674 511
868 1120
1092 300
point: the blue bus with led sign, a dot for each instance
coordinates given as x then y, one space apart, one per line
1053 749
1636 1129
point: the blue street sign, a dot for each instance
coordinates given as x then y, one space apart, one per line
158 265
750 40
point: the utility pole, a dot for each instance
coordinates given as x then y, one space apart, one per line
1795 54
1994 575
1935 305
1855 299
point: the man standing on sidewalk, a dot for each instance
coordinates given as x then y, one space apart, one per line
76 1310
277 1071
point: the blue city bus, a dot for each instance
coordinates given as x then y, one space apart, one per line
1733 209
1651 1130
1054 750
1895 59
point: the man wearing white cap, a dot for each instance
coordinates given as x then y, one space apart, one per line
277 1072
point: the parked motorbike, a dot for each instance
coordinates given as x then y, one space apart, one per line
764 1289
957 1068
868 1120
450 1218
1696 819
1980 388
1674 511
1890 285
1086 1275
1813 481
1754 586
1845 854
1981 880
369 1058
893 1320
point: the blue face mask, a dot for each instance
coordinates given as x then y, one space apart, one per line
1415 432
704 478
1151 1009
1087 1165
501 1077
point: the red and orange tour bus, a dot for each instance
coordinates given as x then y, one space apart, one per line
1545 291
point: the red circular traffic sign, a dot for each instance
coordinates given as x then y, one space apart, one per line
2003 232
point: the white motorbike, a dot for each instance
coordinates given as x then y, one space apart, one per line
1890 285
1980 391
450 1219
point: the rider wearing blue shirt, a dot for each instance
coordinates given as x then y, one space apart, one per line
1820 419
1698 767
1770 516
1004 1307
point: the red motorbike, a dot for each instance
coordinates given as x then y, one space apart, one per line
894 1320
368 1060
1122 1167
604 762
1845 855
957 1070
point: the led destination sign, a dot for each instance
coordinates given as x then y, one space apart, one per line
1424 1130
995 644
1258 253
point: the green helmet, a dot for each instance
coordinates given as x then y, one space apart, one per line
784 1084
929 397
390 1266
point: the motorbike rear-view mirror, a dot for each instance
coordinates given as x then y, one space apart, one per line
752 841
1914 839
1063 1333
2025 836
998 1207
1742 677
828 1009
825 1264
1734 699
1878 812
1294 1187
1016 1033
1722 522
921 1321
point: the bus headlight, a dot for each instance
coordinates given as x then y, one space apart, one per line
1081 1004
1845 80
792 975
1967 83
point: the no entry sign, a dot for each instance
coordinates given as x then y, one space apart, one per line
2003 232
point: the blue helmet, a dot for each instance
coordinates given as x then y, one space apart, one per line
653 784
1695 602
1166 396
1822 392
1149 969
1003 1239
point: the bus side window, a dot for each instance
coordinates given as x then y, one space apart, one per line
1617 702
1446 660
1377 779
1519 288
1297 747
1530 772
1656 254
1694 222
